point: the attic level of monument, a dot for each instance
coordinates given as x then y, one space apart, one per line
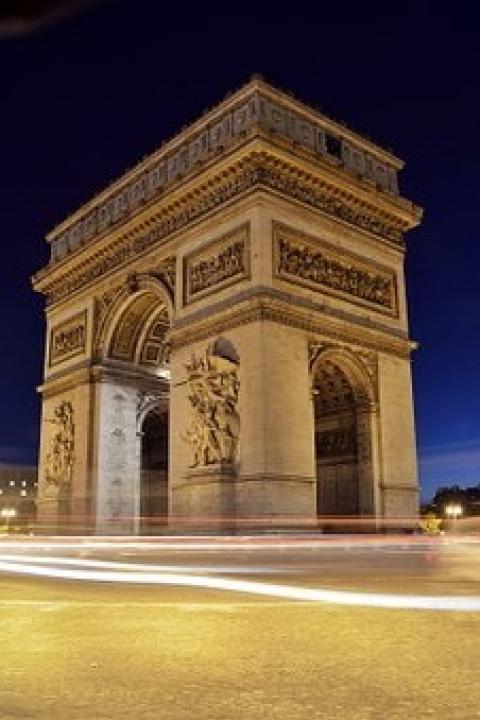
227 334
348 169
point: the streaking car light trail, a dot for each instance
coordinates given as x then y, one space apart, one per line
106 564
284 592
226 543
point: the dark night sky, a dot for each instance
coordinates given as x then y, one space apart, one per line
84 99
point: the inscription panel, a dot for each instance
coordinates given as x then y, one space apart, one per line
317 265
219 264
68 339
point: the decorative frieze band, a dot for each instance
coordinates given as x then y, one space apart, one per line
218 265
256 173
68 339
313 264
286 314
256 111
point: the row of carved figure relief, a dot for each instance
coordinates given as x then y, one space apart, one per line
317 268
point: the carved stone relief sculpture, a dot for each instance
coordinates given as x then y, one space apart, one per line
61 453
68 339
306 262
217 265
213 387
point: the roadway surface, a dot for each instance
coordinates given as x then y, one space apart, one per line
218 629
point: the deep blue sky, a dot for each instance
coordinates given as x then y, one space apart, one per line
84 100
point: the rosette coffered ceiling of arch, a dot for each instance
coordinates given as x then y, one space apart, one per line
152 349
333 390
141 326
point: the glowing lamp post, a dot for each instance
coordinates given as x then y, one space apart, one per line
7 514
453 512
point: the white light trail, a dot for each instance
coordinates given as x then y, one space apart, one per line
116 565
285 592
321 542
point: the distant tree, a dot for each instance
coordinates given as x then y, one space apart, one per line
468 498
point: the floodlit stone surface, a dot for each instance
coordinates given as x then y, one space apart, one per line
266 236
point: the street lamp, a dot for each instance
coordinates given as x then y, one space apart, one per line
453 512
8 514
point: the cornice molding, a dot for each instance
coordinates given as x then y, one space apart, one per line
254 108
291 297
67 380
399 487
268 306
258 170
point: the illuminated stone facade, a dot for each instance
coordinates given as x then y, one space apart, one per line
227 332
18 492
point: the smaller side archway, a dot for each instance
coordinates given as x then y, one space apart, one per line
345 440
135 328
154 490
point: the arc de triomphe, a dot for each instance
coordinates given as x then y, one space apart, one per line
227 333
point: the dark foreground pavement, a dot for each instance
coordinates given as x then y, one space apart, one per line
97 651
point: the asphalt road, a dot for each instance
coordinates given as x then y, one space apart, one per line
100 649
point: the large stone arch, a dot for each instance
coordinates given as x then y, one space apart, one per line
262 274
124 331
345 436
133 351
353 366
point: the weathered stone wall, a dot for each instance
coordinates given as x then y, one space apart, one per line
274 469
117 458
397 438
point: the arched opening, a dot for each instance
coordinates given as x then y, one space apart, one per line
135 350
138 337
154 472
342 411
